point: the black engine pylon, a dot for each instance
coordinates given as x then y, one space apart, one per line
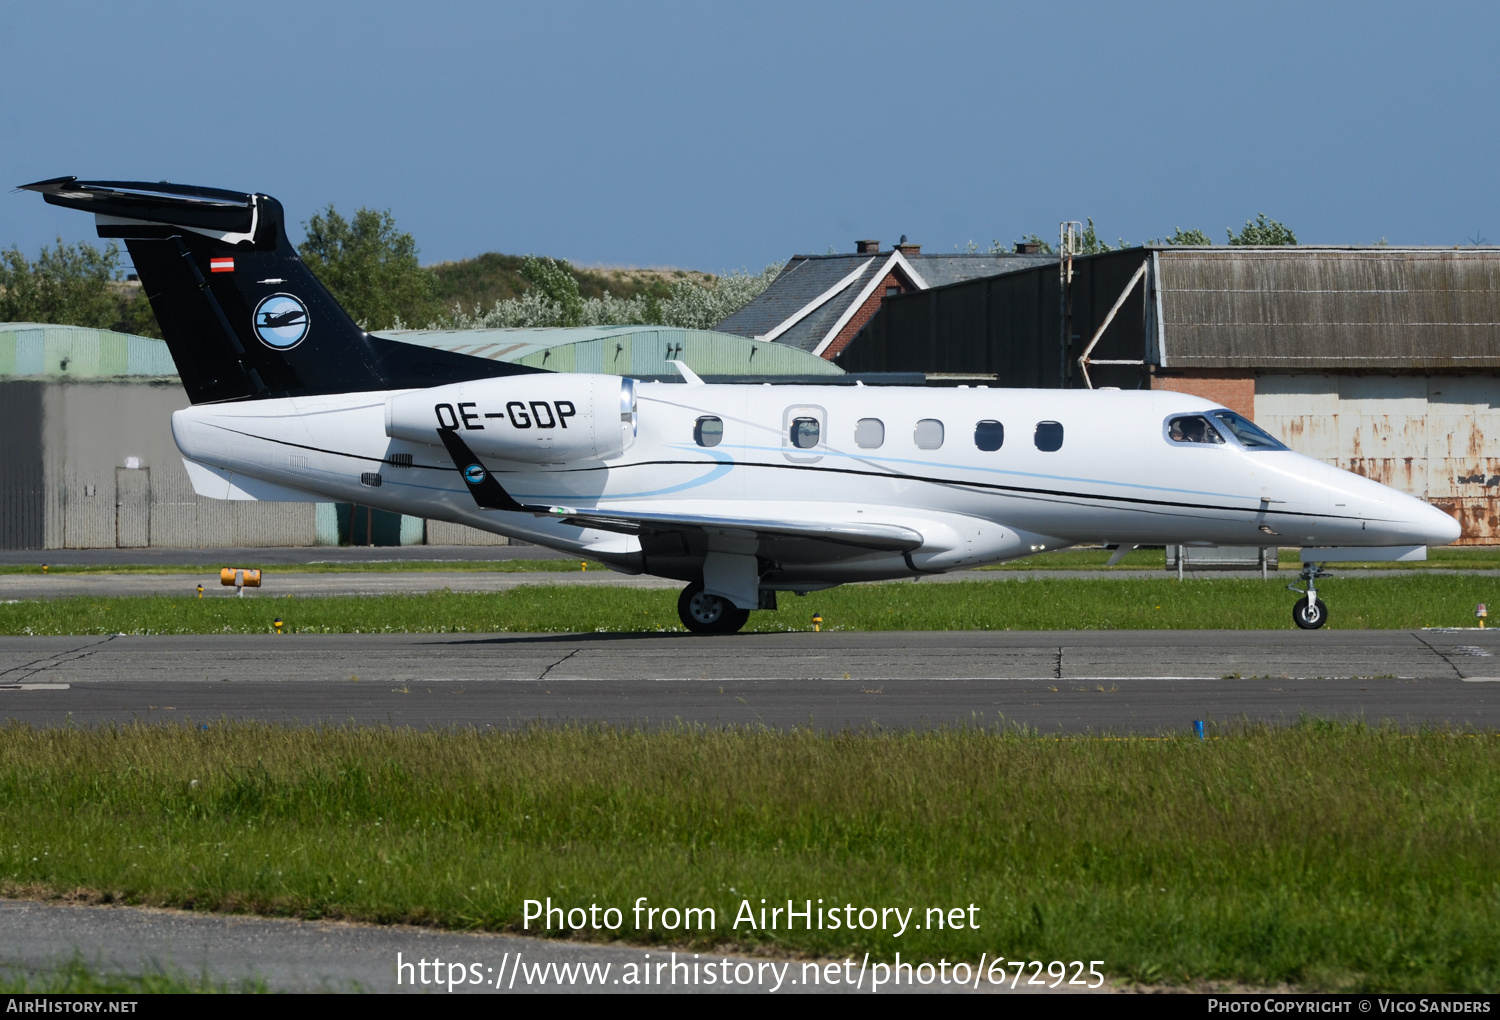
487 492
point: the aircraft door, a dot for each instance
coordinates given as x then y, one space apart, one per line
804 433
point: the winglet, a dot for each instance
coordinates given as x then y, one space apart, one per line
487 492
688 375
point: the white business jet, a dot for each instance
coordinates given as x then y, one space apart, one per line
739 490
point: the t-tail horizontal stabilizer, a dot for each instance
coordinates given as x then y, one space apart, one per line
242 314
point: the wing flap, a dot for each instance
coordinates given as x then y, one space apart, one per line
886 537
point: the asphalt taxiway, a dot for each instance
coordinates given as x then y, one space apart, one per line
1068 681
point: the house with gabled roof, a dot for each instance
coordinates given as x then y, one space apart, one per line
819 302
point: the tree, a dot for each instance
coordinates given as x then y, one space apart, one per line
554 280
70 285
1091 245
369 267
1195 236
1262 231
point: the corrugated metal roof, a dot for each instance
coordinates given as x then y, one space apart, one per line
623 350
1401 308
39 350
1241 308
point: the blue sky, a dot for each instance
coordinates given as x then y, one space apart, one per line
716 136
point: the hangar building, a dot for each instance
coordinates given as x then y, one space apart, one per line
88 459
1384 361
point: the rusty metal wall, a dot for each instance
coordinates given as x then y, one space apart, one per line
1427 435
1367 308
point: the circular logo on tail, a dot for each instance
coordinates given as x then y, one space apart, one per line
473 474
281 321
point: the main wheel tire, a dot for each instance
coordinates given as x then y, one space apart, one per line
1309 620
703 613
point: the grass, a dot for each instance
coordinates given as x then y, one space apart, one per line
1328 856
1403 602
518 566
1442 558
77 978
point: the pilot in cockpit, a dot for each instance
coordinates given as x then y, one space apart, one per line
1192 430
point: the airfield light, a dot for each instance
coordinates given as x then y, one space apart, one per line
1481 612
1198 729
817 621
44 568
583 565
200 591
277 624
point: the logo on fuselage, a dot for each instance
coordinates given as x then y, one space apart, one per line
474 474
281 321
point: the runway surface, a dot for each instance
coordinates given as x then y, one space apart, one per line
1068 681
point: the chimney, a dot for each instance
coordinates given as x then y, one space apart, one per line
867 247
908 249
1028 248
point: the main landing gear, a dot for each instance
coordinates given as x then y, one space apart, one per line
703 613
1309 612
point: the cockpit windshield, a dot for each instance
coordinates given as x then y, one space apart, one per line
1250 435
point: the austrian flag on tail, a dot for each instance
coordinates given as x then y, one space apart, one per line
221 265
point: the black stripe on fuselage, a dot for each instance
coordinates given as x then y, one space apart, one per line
894 476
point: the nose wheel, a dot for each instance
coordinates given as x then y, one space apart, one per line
703 613
1309 612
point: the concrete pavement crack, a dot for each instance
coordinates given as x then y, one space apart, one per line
1434 650
56 659
559 662
1057 667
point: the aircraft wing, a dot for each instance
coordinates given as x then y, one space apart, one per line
891 537
488 493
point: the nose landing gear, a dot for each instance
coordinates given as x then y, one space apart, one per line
1309 612
703 613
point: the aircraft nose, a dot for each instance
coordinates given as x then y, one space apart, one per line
1437 527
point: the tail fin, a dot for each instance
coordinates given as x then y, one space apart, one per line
240 311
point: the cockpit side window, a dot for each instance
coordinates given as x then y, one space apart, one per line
1250 435
1193 428
708 431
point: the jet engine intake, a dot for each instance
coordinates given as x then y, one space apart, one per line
536 419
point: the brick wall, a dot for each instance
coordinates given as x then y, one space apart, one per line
1234 390
863 315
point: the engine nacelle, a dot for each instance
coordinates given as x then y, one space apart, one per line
538 419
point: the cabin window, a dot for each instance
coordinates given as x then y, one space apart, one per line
1193 428
1049 436
804 433
929 434
869 434
989 435
708 431
1250 435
